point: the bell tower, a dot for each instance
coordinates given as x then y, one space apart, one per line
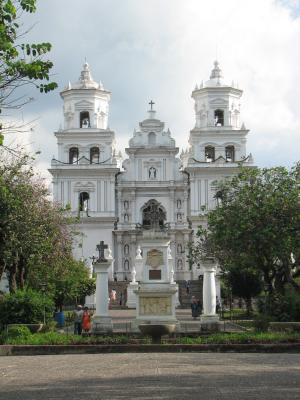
86 103
217 143
85 167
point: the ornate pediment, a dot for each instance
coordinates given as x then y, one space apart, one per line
84 105
218 101
84 187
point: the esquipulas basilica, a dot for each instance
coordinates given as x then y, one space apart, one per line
153 191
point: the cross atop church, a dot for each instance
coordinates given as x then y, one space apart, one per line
101 247
151 104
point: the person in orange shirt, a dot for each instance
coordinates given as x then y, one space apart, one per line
86 320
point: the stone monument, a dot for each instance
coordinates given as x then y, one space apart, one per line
156 291
102 322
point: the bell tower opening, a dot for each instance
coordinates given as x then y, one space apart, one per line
85 119
219 117
84 199
229 153
73 155
94 155
209 154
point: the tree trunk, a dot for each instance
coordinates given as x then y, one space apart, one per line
12 278
248 302
21 274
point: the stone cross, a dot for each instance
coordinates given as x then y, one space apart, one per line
101 247
151 105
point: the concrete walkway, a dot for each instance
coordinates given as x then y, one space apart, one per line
165 376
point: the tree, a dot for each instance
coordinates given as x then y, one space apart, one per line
257 226
35 236
244 283
21 64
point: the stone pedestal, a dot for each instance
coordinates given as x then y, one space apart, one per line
131 296
209 319
102 322
156 291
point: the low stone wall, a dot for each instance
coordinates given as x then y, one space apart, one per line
29 350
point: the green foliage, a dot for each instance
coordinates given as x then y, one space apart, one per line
38 250
255 233
262 323
21 63
51 338
282 306
242 338
18 331
25 307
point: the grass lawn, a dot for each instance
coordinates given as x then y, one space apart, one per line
54 338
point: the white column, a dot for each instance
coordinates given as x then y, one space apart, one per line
102 321
209 292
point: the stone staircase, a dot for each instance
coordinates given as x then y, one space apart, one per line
195 289
121 288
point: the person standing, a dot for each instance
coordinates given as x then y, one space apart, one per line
86 320
78 313
187 286
195 308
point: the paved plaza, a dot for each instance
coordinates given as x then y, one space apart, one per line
151 376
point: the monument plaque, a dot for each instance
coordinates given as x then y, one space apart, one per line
154 274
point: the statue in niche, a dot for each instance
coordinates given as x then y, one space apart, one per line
126 265
179 264
126 218
152 173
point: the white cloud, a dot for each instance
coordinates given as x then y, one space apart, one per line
160 49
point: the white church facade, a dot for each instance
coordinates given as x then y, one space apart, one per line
153 189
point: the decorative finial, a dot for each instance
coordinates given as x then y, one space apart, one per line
85 75
216 72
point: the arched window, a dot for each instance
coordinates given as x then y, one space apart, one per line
152 138
94 155
84 199
154 215
85 119
73 155
219 118
209 154
126 249
229 152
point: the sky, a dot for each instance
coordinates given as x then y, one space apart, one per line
159 50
